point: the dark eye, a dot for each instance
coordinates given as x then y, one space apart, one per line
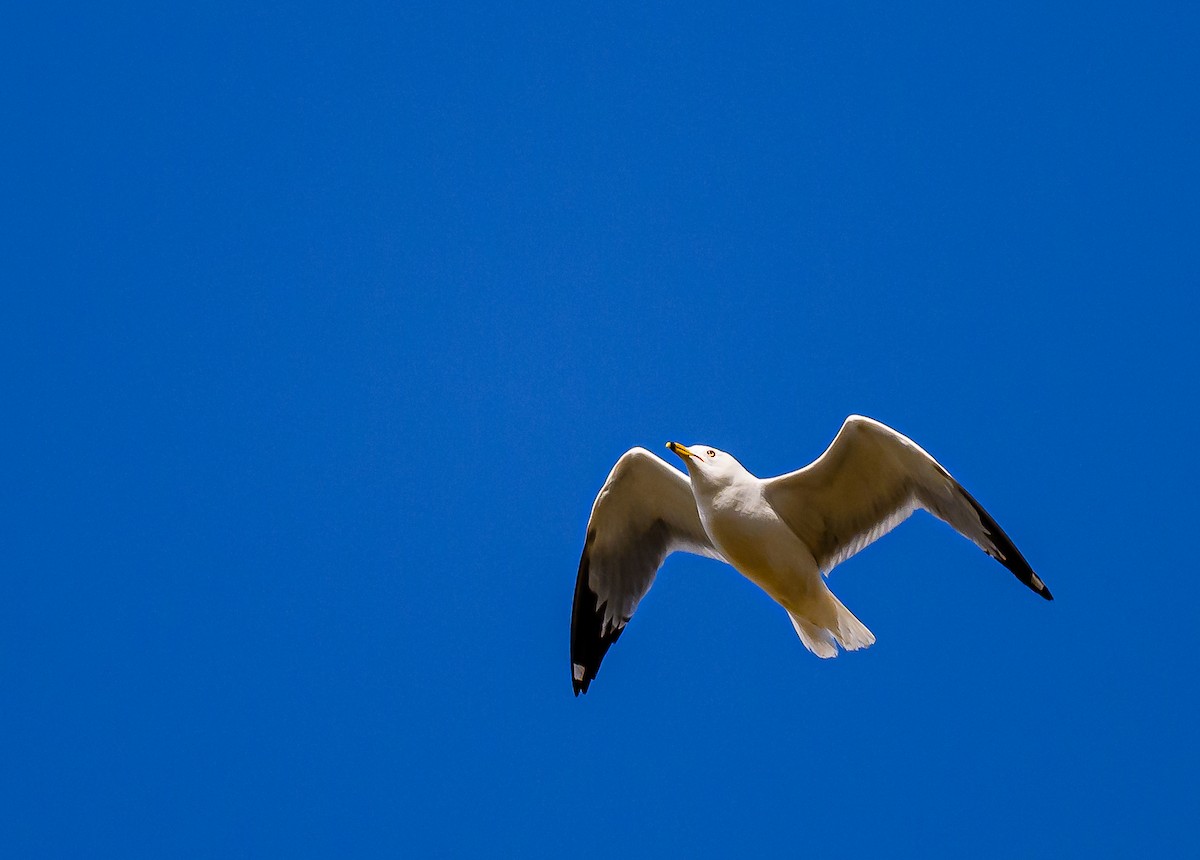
711 452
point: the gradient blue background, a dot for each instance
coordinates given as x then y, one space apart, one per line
323 325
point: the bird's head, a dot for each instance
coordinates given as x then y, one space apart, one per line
707 463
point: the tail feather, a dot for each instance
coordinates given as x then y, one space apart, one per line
840 627
851 634
815 639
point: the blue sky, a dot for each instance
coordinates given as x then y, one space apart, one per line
324 326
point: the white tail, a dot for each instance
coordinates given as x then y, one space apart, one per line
840 627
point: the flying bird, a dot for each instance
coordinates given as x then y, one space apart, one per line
783 534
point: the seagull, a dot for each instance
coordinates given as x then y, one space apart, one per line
784 534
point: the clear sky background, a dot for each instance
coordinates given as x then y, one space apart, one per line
323 326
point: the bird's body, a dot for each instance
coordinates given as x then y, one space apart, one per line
780 533
756 542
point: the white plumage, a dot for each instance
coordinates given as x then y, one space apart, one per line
781 533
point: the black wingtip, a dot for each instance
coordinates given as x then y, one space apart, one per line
1035 582
579 685
589 640
1010 556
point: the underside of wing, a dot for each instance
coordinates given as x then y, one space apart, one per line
870 480
644 512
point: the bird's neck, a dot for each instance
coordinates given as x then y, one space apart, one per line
742 492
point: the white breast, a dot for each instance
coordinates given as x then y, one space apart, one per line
758 543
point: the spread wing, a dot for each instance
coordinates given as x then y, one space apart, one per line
645 511
870 480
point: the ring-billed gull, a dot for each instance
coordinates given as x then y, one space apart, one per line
780 533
